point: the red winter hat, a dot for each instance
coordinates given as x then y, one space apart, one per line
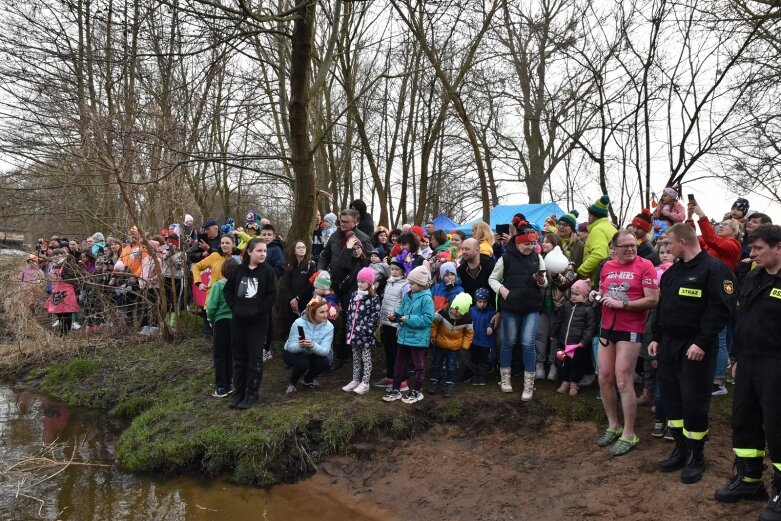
417 230
643 220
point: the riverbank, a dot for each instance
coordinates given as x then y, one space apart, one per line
480 455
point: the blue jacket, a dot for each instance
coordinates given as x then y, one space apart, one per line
443 296
481 321
321 334
418 309
275 257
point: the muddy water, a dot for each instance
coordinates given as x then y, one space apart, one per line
92 487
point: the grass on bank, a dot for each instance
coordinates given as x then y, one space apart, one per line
176 427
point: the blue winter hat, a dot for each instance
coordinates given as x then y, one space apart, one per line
448 267
482 294
208 223
379 252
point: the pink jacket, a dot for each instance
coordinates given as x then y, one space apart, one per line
674 212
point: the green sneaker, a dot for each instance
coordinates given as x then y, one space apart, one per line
622 446
609 436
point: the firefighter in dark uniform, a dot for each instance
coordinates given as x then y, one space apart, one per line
696 296
756 405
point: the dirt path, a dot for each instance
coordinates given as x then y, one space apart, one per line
553 474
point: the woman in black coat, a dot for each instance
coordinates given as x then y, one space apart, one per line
298 290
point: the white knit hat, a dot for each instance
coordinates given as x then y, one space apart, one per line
421 276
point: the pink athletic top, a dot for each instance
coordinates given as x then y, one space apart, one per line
626 282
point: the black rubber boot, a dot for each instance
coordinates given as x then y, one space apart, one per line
738 487
677 459
695 462
772 511
236 399
250 399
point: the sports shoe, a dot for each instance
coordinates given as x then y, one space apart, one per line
623 446
668 435
391 395
432 386
563 388
361 388
144 331
267 355
658 430
539 374
404 387
236 399
250 399
553 373
718 390
351 386
75 326
386 383
314 384
291 391
573 389
412 397
220 392
450 389
609 436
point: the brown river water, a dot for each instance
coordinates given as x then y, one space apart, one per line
39 436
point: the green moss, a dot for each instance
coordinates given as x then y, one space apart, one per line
132 407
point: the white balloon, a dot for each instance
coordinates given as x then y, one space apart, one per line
556 261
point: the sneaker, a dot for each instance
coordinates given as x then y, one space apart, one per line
412 397
386 383
220 392
609 436
668 435
623 446
450 389
404 387
249 400
553 373
391 395
154 330
267 355
718 390
481 380
658 430
539 374
144 331
314 384
352 385
432 387
75 326
291 391
361 388
563 388
237 398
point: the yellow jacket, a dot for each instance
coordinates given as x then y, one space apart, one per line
452 334
214 263
486 249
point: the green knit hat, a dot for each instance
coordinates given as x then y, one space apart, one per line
570 218
461 303
600 206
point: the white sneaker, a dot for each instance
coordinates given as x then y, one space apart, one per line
144 331
361 388
154 330
351 386
412 397
553 373
267 355
540 373
75 325
55 323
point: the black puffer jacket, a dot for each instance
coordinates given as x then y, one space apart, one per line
574 324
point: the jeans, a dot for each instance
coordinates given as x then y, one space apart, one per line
516 325
546 351
722 359
450 358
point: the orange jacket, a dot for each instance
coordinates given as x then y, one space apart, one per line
452 334
131 256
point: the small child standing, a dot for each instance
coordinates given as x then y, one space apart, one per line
321 282
395 288
574 325
219 316
451 332
447 288
363 315
381 269
483 341
414 317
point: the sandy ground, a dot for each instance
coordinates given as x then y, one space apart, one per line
553 473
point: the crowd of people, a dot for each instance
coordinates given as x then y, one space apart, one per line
665 301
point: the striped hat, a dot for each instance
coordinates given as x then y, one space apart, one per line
600 206
570 218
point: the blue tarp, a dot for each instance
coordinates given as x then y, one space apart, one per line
444 223
503 214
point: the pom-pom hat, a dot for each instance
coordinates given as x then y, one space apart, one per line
643 220
570 218
600 207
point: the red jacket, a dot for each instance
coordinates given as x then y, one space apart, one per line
726 250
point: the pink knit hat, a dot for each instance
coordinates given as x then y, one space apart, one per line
367 275
582 286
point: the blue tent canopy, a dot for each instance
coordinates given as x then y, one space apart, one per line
503 214
444 223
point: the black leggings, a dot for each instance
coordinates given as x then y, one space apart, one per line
388 335
247 339
66 321
310 366
221 347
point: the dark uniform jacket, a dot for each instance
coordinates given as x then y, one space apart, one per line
695 301
758 328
